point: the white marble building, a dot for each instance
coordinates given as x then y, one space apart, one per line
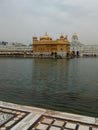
15 47
75 45
89 50
81 49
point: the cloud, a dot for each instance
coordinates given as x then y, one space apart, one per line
20 19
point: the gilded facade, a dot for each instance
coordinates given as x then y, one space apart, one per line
45 44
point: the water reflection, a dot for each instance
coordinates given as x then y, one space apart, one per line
49 78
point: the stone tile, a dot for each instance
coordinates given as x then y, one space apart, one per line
16 118
4 117
70 125
47 120
10 123
19 116
22 114
14 112
54 128
58 123
83 127
18 112
42 127
96 121
10 117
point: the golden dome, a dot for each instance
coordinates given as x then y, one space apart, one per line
45 37
34 36
75 35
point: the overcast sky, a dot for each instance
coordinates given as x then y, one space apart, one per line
21 19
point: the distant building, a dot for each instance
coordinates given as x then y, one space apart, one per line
45 45
89 50
9 47
3 43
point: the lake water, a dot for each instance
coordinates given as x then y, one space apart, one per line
69 85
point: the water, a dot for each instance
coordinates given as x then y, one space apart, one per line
69 85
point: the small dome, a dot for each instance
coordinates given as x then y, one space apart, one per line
62 36
35 37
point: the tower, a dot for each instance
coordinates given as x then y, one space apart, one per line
75 45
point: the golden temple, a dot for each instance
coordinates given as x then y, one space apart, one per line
45 44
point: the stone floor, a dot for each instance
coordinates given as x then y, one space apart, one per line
18 117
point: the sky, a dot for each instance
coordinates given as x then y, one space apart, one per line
22 19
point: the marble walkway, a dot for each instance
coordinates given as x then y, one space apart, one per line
19 117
